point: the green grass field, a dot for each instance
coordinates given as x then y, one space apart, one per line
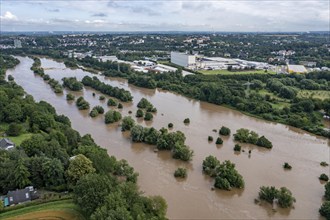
318 94
19 139
64 209
226 72
281 102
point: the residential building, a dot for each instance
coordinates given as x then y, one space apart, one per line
20 196
6 144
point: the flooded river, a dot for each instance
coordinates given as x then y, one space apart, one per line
193 197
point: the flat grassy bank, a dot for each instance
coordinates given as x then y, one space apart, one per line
64 209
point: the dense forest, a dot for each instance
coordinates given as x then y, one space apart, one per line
57 158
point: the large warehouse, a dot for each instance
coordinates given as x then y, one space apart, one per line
296 69
183 59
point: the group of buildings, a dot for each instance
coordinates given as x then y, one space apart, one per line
200 62
197 62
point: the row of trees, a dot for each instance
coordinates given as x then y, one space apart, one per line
116 92
37 69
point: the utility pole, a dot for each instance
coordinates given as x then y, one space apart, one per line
248 84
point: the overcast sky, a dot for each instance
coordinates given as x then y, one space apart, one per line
170 15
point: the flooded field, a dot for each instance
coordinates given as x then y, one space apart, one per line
193 197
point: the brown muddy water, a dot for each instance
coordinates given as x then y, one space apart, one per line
193 198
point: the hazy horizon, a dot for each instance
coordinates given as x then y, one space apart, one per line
167 16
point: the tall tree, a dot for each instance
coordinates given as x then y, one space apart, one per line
78 167
21 175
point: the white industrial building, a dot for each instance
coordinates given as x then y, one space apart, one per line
183 59
17 43
107 58
215 63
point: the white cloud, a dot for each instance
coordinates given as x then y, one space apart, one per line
208 15
8 16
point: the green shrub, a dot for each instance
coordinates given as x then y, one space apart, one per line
324 177
180 172
148 116
14 129
285 198
186 121
327 191
70 97
127 123
112 116
219 141
264 142
46 77
287 166
268 193
11 78
227 177
324 164
224 131
139 113
325 210
237 147
112 102
210 164
82 104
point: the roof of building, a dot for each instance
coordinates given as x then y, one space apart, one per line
19 195
297 68
5 143
182 53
